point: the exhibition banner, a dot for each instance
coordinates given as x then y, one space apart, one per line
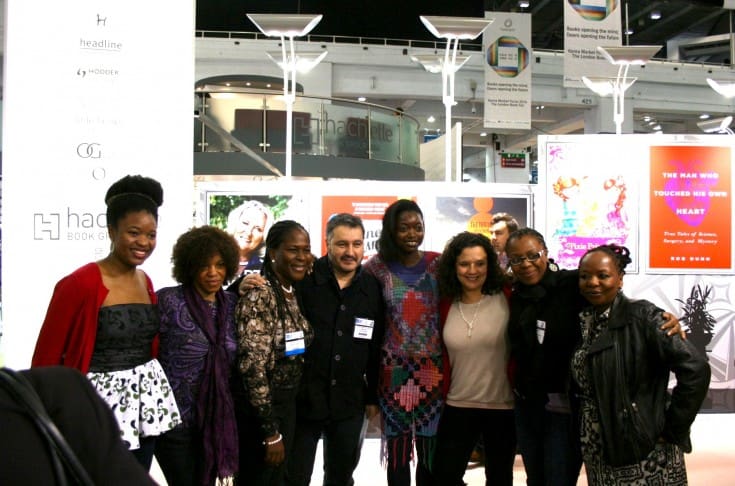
449 208
507 50
590 201
587 25
690 199
94 90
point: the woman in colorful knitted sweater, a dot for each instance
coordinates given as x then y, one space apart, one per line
410 388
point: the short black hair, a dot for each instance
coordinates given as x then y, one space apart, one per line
194 248
343 219
130 194
619 254
449 285
518 234
387 247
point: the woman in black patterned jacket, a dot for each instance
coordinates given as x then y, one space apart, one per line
272 336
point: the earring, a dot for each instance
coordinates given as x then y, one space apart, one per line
273 260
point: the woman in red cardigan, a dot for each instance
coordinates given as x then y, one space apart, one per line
102 321
479 399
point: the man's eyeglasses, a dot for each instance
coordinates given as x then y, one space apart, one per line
515 261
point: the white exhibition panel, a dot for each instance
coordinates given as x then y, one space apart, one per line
676 203
94 90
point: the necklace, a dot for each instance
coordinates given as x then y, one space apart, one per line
471 322
288 290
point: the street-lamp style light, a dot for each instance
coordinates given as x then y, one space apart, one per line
453 29
288 26
623 57
725 88
716 125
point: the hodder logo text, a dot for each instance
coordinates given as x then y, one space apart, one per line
70 225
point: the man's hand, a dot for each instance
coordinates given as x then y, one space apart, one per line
250 281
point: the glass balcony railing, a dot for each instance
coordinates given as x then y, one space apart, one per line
233 120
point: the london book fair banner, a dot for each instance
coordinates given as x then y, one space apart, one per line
94 90
587 25
669 199
507 50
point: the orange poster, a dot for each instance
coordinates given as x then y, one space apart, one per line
691 208
369 208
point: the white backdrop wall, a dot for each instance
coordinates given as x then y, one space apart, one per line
74 121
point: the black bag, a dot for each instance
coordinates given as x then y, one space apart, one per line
67 468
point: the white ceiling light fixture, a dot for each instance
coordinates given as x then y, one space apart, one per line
716 125
361 99
623 57
655 15
524 3
286 27
453 29
724 87
704 116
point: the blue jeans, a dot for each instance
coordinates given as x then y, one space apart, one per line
549 444
342 442
459 430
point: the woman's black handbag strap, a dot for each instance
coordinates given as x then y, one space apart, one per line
62 456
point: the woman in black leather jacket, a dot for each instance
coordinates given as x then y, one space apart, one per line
632 431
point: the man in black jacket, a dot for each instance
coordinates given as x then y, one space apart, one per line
339 385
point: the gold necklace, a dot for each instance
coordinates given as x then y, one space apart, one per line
471 322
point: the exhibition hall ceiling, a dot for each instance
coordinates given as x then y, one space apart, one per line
683 22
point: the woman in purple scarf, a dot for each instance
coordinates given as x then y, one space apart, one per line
197 352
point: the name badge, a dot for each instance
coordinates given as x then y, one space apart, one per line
295 343
363 328
540 331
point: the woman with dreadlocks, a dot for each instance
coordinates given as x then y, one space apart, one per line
272 336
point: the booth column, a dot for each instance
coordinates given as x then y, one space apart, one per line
599 118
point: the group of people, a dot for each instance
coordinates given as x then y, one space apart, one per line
487 339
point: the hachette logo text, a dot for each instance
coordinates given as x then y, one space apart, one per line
70 225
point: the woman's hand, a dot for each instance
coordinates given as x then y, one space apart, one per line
673 326
250 281
275 453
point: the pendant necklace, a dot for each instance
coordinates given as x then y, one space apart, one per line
471 322
288 290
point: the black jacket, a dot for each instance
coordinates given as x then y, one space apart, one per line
340 370
629 364
543 368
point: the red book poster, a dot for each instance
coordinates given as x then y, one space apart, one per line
369 208
691 209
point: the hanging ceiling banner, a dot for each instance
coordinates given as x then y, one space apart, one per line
94 90
506 45
588 24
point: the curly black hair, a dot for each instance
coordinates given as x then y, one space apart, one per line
387 247
518 234
449 285
193 250
619 254
130 194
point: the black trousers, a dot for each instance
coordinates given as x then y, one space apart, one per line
253 471
341 447
180 454
459 429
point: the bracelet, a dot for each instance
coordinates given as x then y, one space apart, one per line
273 442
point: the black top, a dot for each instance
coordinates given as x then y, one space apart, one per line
544 367
340 370
124 336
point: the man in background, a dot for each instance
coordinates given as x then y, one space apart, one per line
501 226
